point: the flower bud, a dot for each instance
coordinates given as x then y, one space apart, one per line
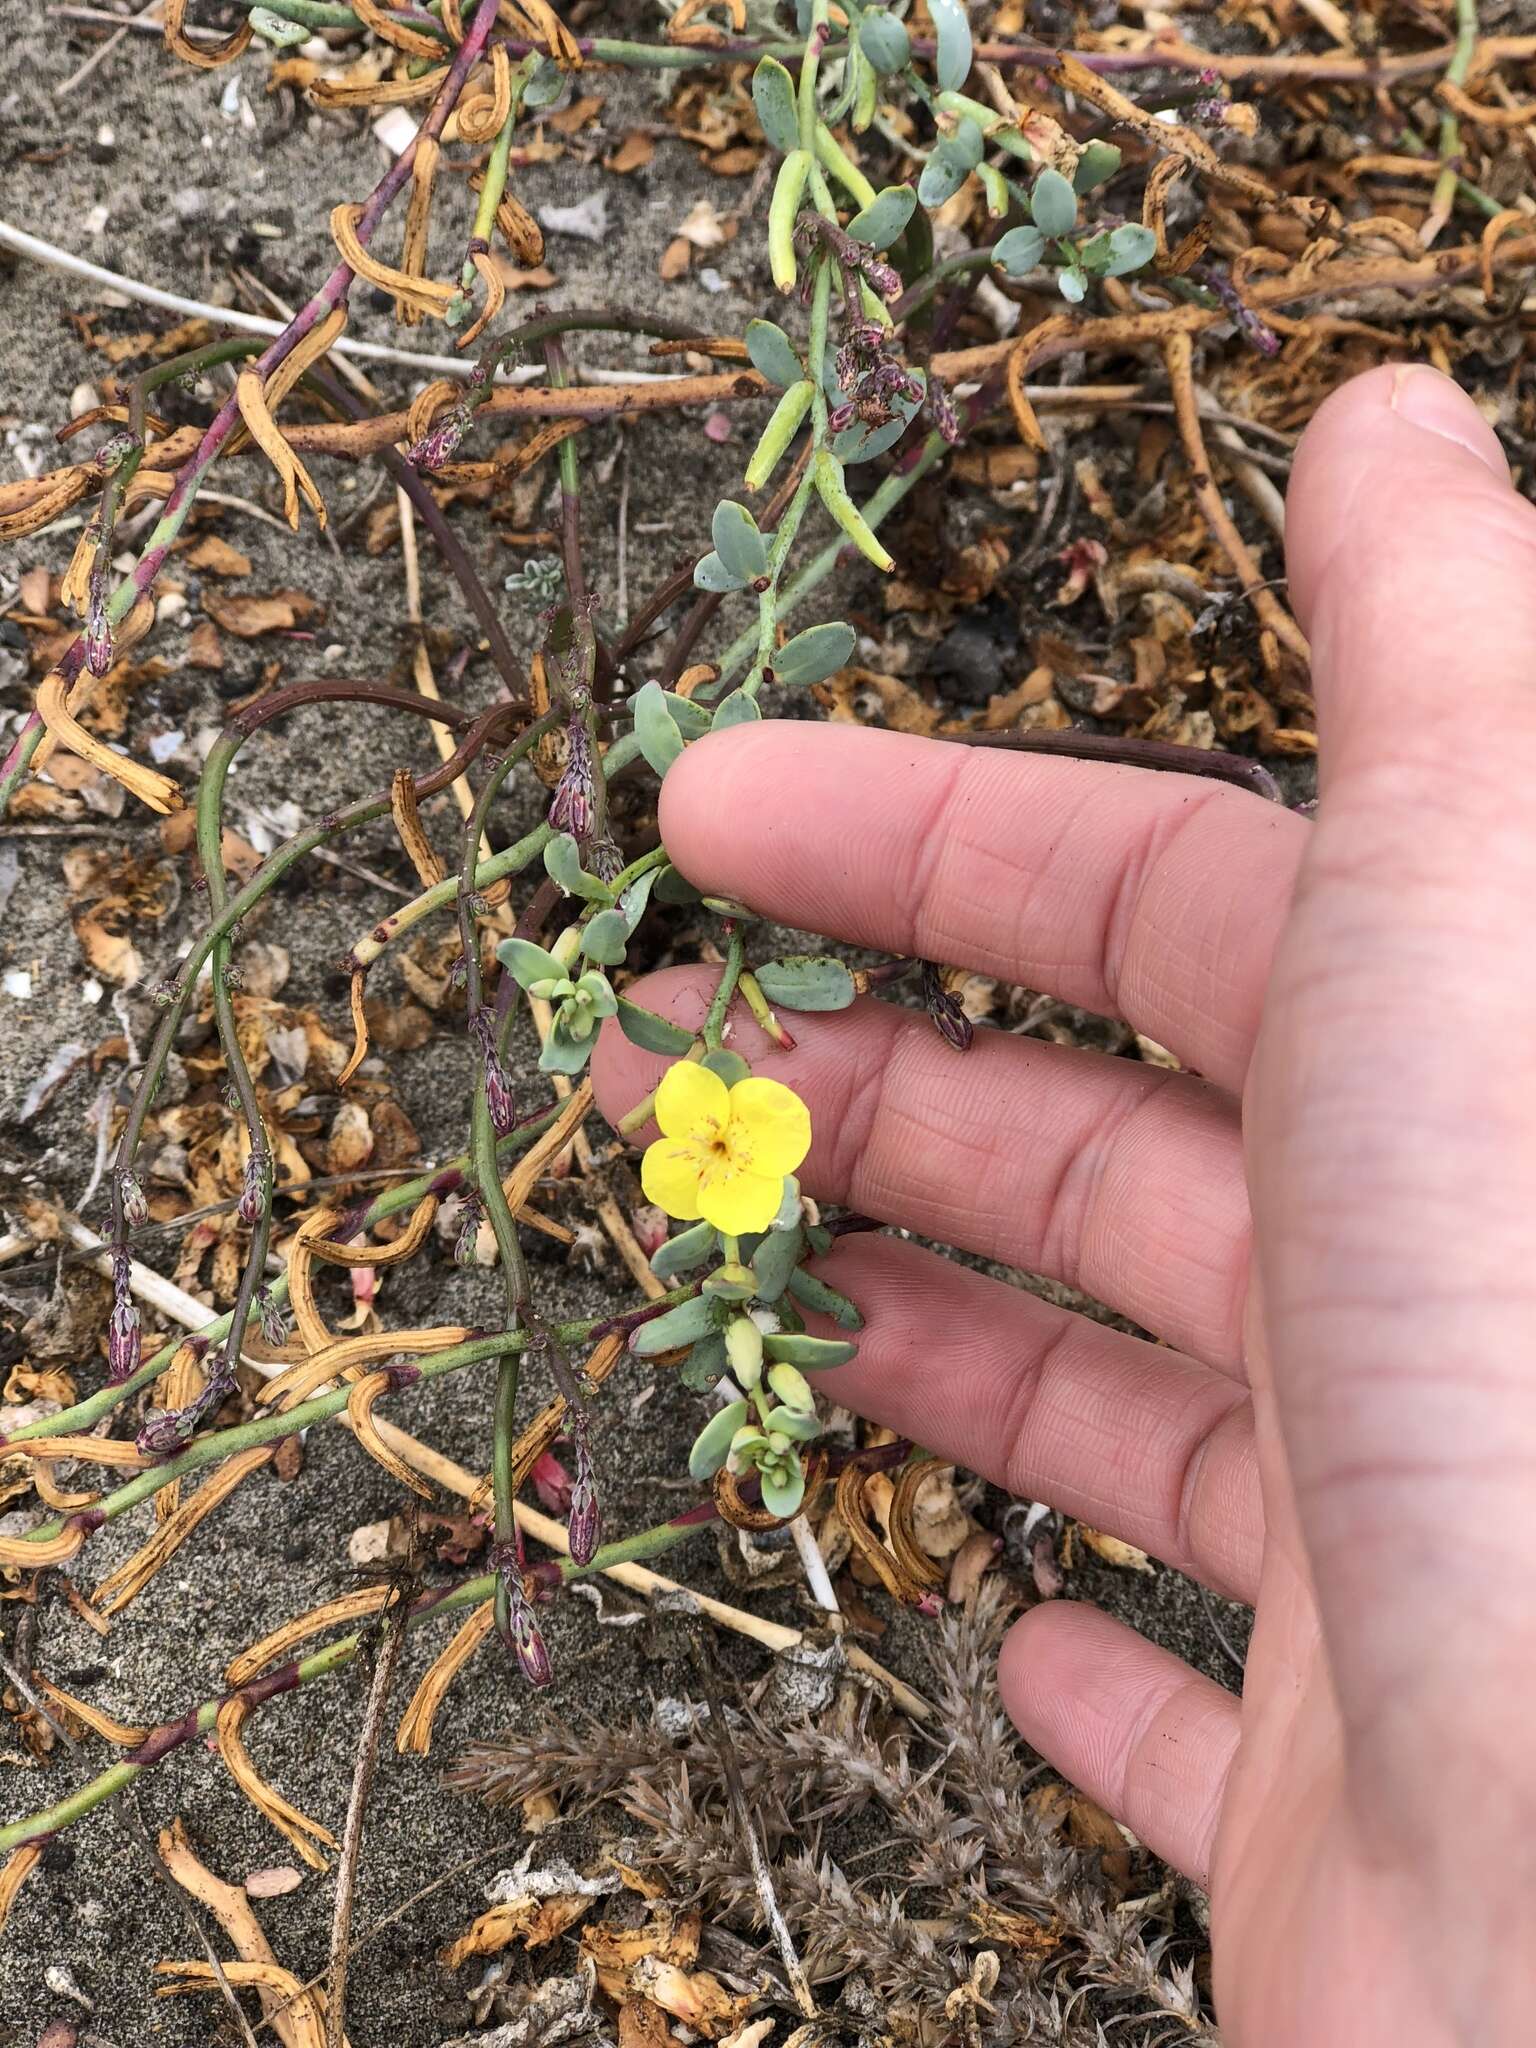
499 1097
585 1526
469 1230
744 1349
98 632
160 1434
792 1388
131 1195
115 450
253 1192
274 1321
521 1633
575 800
437 445
122 1338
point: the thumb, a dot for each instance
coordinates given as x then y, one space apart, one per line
1391 1111
1413 568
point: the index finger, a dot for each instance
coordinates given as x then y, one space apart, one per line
1148 896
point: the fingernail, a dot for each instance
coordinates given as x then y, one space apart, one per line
1425 398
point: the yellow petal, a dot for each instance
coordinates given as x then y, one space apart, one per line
770 1128
669 1174
691 1103
737 1200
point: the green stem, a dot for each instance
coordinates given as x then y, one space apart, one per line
494 185
84 1415
201 1720
714 1023
881 504
1485 202
1456 71
511 861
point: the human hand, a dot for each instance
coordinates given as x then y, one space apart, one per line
1330 1232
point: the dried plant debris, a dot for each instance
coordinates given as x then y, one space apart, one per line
902 1862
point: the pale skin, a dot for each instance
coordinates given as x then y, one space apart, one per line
1329 1230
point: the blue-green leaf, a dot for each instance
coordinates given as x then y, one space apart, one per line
954 158
1130 247
775 1259
782 1496
794 1423
690 1248
685 1324
706 1364
730 1066
738 542
811 1354
1053 203
881 223
632 903
773 353
814 1293
736 709
606 937
545 86
884 41
651 1032
952 63
773 94
1019 250
711 574
806 981
712 1445
564 1054
656 728
1097 164
815 654
562 863
527 962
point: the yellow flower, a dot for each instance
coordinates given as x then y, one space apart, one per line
723 1152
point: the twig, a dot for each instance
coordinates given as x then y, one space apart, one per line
105 49
1178 353
25 244
746 1824
814 1565
34 1699
1443 198
391 1919
386 1658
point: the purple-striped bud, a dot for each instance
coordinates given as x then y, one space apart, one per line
946 1010
131 1195
123 1328
575 798
469 1230
499 1097
498 1089
941 410
115 450
436 446
253 1191
521 1635
161 1434
842 416
605 859
881 277
98 632
584 1527
274 1319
